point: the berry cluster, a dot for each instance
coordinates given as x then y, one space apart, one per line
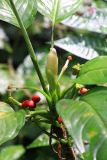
31 103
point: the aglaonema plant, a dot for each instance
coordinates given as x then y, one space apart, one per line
78 114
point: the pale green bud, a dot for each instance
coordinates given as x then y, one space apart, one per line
52 68
52 62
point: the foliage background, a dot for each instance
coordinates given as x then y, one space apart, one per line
16 68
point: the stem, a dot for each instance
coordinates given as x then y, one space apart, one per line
29 45
34 113
36 89
44 114
64 68
14 101
52 36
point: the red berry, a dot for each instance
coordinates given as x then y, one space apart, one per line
36 98
83 90
28 103
60 120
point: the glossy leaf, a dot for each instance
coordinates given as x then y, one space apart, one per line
86 120
87 47
26 9
93 72
57 10
89 22
10 122
12 152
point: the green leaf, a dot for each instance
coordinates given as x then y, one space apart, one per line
84 46
93 72
10 122
12 152
86 120
41 141
58 10
26 9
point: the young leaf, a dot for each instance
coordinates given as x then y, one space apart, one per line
93 72
86 120
10 122
58 10
12 152
26 9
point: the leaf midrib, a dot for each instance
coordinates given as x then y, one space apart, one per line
55 10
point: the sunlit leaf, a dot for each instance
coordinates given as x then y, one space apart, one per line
26 9
10 122
84 46
58 10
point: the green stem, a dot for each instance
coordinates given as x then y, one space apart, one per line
14 101
34 113
43 114
52 36
36 89
29 45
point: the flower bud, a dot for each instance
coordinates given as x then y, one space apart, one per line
52 62
52 68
